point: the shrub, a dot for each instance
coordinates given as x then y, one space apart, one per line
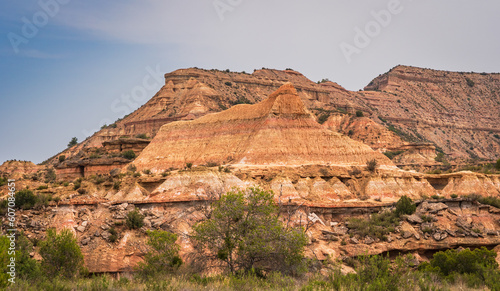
77 184
435 196
73 142
359 113
147 171
497 165
189 165
405 206
132 168
244 233
323 117
62 158
128 154
453 195
135 219
470 83
25 267
42 187
475 262
116 185
142 135
114 235
228 84
50 175
163 256
440 158
379 225
25 199
426 218
372 165
137 174
61 254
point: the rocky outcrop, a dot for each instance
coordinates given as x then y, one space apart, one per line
457 111
278 131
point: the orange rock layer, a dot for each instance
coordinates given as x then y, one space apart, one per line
277 131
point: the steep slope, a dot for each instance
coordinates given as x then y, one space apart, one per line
191 93
459 112
277 131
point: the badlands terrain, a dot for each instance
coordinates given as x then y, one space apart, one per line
328 154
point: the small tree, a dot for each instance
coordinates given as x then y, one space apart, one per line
164 254
135 219
62 158
359 113
372 165
73 142
244 234
405 206
61 254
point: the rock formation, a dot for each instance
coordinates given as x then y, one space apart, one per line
277 131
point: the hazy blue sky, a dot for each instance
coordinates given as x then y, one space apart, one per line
66 64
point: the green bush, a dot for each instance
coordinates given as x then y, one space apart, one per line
470 83
497 165
453 196
478 266
130 155
25 199
42 187
244 233
189 165
378 226
135 219
114 235
359 113
62 158
73 142
142 135
405 206
163 256
61 255
323 117
3 181
116 185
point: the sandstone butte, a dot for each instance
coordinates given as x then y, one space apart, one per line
278 131
303 141
411 109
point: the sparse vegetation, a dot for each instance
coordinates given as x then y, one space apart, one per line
61 255
323 117
453 196
116 185
62 158
405 206
25 199
135 219
470 83
372 165
359 113
73 142
130 154
142 135
163 258
189 165
392 154
114 235
42 187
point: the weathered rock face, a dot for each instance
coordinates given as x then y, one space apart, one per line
17 169
277 131
435 226
459 112
418 105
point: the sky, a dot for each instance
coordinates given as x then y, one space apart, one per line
67 67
